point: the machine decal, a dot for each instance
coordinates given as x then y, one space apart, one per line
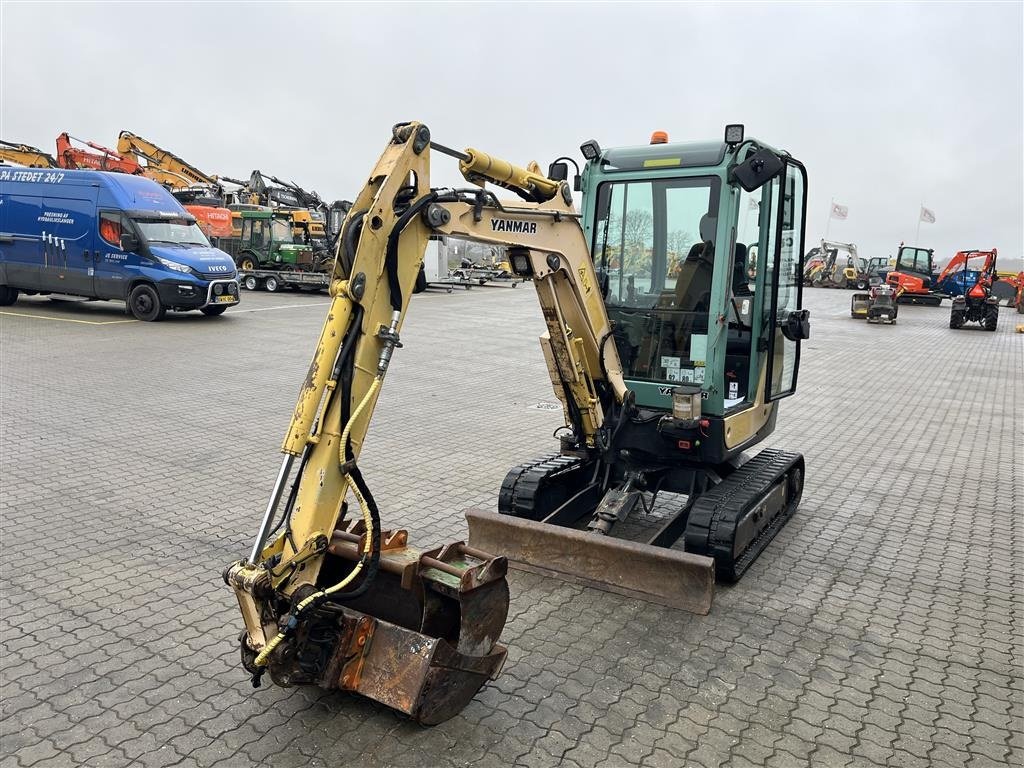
56 217
48 177
584 281
510 225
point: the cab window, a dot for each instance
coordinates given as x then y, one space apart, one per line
111 227
654 243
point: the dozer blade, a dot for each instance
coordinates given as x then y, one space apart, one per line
656 574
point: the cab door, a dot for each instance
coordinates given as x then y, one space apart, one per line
68 241
788 321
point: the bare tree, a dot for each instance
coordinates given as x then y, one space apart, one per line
679 243
639 228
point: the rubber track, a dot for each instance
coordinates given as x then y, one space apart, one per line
711 527
520 491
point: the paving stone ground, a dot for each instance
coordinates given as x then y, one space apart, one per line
882 627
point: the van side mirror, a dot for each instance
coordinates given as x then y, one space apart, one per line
757 170
129 242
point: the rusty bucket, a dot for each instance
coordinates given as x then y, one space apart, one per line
422 640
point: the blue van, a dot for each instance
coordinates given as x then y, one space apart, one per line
107 236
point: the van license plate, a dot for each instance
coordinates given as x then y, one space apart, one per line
225 299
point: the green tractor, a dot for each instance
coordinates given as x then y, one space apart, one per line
267 243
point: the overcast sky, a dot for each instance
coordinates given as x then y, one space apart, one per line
888 105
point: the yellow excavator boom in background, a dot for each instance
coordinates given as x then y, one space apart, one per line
23 154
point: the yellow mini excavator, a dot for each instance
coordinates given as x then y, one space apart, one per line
668 345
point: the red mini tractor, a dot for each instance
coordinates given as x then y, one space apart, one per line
977 304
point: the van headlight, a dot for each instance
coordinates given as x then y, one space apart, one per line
175 266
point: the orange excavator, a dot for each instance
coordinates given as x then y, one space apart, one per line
103 159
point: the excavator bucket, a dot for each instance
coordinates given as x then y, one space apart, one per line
422 640
646 571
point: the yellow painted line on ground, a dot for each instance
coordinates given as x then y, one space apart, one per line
67 319
283 306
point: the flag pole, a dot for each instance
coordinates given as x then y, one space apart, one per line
828 223
917 237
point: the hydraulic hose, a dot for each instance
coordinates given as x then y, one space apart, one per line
371 550
343 446
354 481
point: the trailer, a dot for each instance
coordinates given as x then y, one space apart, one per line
279 279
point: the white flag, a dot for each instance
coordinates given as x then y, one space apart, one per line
927 215
839 211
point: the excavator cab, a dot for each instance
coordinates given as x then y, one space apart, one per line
671 248
914 277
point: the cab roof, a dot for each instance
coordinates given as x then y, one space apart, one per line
679 154
691 154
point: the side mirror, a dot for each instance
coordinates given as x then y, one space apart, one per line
757 170
797 325
129 242
558 171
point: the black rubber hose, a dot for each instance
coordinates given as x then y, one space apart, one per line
391 255
350 241
371 563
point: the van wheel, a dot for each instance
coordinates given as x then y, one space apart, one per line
144 304
213 311
271 283
8 296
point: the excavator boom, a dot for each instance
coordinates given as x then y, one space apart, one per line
23 154
102 159
160 159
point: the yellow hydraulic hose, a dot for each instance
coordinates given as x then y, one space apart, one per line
261 659
374 386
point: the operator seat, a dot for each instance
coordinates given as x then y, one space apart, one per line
693 285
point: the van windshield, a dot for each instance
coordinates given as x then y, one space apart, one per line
174 231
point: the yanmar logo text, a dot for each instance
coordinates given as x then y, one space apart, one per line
510 225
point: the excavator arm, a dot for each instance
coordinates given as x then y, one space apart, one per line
130 144
23 154
103 159
291 578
